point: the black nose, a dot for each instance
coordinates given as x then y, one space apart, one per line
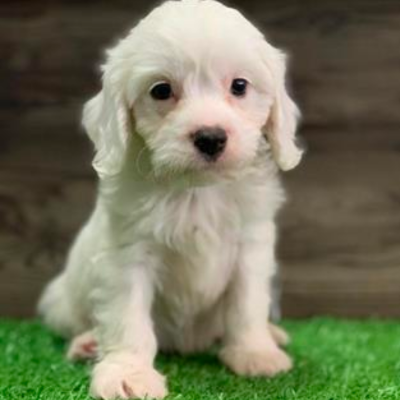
210 142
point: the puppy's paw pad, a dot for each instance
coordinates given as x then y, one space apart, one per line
125 381
268 362
83 347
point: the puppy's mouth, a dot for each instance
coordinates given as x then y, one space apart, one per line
201 171
207 158
196 170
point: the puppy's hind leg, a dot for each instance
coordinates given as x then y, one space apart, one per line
280 336
56 310
83 347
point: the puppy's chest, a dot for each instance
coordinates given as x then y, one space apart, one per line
191 221
198 243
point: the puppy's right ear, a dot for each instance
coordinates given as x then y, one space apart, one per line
106 120
282 124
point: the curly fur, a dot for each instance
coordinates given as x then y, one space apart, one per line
179 251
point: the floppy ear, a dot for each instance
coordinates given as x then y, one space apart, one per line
106 120
283 120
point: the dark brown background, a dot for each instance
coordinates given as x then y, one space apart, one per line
340 242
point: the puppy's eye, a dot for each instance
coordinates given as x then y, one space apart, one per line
239 87
161 91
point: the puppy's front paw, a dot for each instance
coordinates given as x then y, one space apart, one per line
255 362
114 379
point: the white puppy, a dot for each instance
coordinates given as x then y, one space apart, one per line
179 250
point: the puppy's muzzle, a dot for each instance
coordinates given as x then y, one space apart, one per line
210 142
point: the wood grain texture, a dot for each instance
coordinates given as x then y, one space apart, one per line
340 231
340 235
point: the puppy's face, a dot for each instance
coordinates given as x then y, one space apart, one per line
205 106
200 85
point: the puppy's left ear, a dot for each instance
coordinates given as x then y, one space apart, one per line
284 115
107 122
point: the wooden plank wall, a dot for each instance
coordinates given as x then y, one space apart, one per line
340 236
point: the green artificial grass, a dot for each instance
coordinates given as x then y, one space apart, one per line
343 360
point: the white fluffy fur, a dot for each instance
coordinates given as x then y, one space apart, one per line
179 251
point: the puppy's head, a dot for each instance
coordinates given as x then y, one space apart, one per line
198 86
